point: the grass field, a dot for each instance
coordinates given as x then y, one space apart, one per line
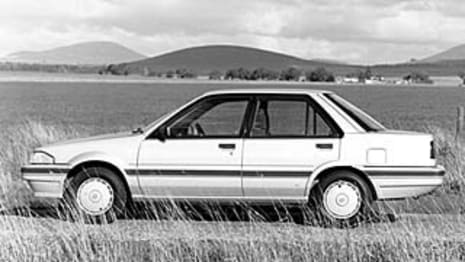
102 107
31 114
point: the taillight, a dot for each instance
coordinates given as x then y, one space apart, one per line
432 153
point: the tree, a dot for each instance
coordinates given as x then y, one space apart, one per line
272 75
320 75
262 73
238 73
170 74
352 74
244 74
418 77
112 69
290 74
184 73
258 74
231 74
364 75
215 75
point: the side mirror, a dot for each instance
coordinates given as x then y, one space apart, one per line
138 130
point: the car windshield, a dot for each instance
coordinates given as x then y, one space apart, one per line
362 118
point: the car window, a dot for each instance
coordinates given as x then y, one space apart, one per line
317 126
211 118
363 119
288 118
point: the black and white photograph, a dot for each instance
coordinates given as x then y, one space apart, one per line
261 130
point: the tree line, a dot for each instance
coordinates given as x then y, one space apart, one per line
241 73
49 68
290 74
319 74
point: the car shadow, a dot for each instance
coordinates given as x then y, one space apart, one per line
205 212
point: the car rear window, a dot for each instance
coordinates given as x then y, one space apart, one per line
360 117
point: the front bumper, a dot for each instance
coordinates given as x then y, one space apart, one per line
403 182
45 180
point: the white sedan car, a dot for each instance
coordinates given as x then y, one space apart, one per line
259 146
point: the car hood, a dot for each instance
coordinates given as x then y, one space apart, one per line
122 145
97 138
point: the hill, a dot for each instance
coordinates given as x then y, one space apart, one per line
454 53
205 59
440 68
87 53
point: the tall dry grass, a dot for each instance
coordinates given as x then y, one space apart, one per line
179 233
16 144
450 197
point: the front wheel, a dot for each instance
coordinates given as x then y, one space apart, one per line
95 195
341 198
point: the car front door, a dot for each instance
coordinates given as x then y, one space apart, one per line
290 135
199 154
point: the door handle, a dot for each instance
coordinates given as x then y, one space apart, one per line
324 146
227 146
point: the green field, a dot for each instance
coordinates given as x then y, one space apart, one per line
36 113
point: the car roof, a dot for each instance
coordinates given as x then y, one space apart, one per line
266 91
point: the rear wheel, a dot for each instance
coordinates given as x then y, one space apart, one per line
95 195
341 198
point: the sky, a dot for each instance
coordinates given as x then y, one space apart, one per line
354 31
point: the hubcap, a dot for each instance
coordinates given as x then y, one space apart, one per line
95 196
342 199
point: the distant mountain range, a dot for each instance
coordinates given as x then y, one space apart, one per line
87 53
450 62
454 53
204 59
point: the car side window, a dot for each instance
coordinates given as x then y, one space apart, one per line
210 118
287 118
281 117
316 125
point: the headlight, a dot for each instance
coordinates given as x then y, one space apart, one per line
42 158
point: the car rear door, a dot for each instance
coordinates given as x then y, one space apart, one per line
201 155
290 135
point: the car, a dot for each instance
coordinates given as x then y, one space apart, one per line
257 145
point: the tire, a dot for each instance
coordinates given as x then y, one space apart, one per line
95 195
342 199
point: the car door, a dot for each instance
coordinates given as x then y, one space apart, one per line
200 154
290 135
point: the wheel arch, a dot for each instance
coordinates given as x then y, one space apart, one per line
100 163
316 176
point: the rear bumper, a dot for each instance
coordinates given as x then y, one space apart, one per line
403 182
45 180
